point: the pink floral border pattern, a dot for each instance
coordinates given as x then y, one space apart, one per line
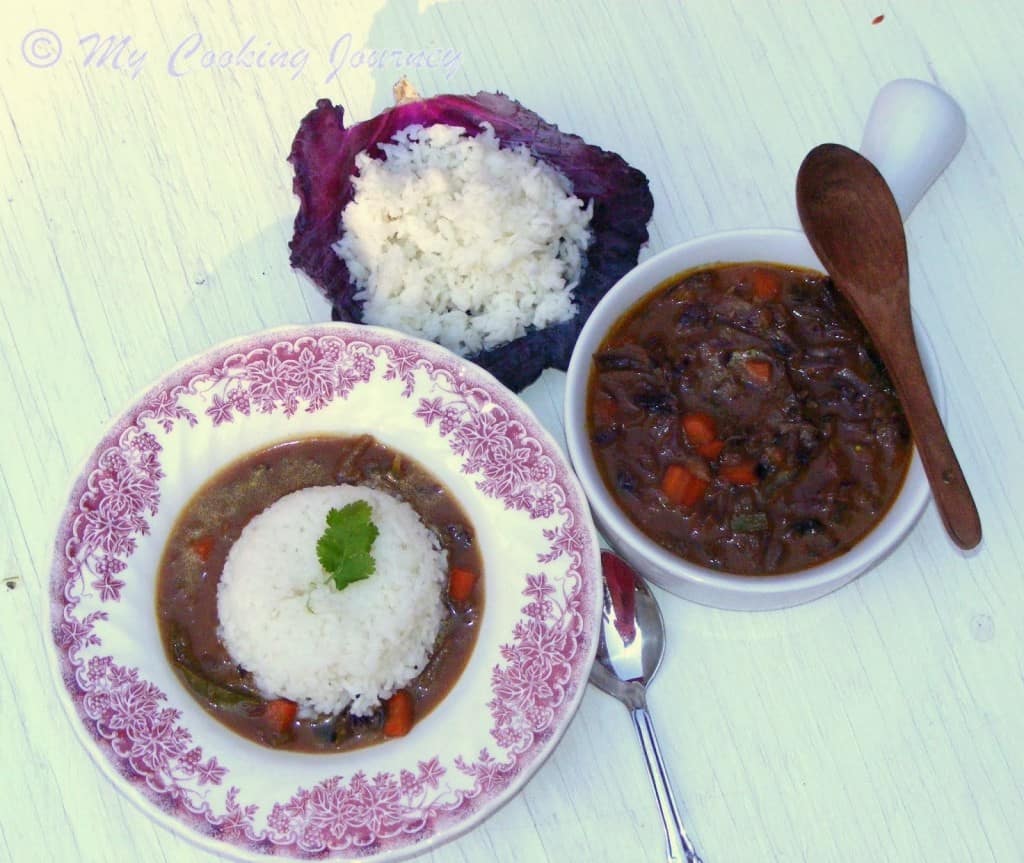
544 664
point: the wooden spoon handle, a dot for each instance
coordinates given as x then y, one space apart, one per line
952 494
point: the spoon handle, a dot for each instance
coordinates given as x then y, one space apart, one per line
680 849
952 495
912 133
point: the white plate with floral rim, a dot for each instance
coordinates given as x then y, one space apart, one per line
475 750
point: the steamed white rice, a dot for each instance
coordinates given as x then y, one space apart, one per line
305 640
462 242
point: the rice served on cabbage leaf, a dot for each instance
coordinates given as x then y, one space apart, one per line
324 155
458 240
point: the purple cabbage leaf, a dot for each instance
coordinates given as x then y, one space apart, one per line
323 155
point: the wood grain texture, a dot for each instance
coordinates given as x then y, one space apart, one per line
143 219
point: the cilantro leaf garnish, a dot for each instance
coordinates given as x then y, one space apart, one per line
344 548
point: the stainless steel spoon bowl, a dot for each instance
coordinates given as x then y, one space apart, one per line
628 655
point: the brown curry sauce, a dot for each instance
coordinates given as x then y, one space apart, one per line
741 418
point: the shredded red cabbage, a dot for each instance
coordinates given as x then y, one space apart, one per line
323 155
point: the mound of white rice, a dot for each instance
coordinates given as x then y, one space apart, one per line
304 639
453 238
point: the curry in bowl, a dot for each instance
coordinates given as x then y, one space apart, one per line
740 417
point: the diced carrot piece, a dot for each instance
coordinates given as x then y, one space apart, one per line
681 486
203 548
674 482
767 285
712 449
398 714
759 370
460 584
699 428
744 473
280 714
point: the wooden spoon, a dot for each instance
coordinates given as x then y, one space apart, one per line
853 224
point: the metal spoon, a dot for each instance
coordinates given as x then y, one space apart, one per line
628 655
853 224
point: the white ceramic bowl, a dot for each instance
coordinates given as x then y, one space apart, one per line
477 748
668 570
